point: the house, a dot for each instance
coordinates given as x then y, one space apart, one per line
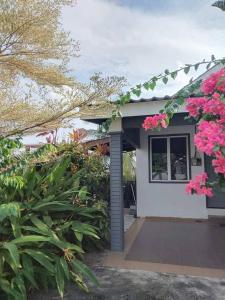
165 161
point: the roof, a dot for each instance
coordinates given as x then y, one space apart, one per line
100 120
164 98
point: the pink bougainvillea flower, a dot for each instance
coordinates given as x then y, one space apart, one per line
198 186
155 121
215 81
210 134
195 105
219 163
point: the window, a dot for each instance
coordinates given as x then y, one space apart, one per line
169 158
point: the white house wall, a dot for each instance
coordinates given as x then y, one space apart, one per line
166 199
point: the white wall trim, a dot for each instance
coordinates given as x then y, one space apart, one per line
216 212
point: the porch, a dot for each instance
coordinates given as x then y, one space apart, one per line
191 247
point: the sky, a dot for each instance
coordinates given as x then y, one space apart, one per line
141 38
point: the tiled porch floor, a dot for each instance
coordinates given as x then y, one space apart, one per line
173 246
180 243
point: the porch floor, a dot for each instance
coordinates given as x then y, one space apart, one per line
184 247
180 243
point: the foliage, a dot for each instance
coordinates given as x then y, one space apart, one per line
129 166
36 91
164 77
47 222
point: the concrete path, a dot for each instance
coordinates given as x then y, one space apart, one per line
121 284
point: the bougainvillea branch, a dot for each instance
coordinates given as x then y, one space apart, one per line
164 77
209 114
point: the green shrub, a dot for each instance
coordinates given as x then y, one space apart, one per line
47 220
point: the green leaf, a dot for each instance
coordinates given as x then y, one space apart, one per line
216 148
146 85
9 210
28 270
136 92
208 66
174 74
53 206
152 85
65 245
14 253
40 225
59 277
65 267
197 66
41 258
165 80
180 101
187 69
78 266
30 239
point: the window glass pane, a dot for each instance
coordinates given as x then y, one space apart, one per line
159 159
178 158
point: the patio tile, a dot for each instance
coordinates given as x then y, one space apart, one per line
180 243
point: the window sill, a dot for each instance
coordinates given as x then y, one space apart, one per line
169 181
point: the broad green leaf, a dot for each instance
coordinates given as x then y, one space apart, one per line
65 267
40 225
6 287
30 239
28 270
59 277
41 258
14 253
18 282
85 270
53 206
65 245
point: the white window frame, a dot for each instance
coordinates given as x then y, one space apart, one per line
168 137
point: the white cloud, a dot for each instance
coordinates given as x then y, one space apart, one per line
136 44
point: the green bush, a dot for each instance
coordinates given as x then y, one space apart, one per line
47 220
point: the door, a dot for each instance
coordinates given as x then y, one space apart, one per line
218 200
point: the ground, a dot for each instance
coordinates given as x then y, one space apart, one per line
121 284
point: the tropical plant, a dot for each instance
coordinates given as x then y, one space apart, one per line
45 222
129 166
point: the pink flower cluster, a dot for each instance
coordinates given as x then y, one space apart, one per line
198 186
209 135
155 121
202 105
215 82
195 105
219 163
